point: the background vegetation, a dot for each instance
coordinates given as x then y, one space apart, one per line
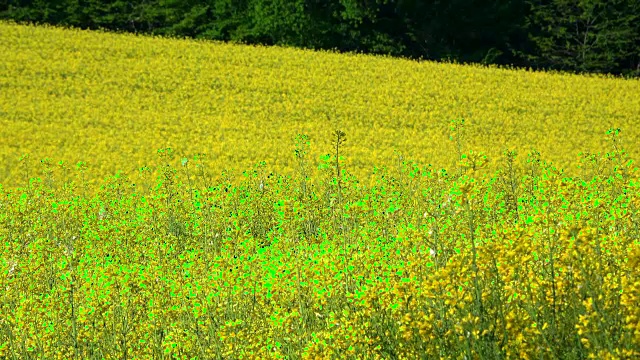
601 36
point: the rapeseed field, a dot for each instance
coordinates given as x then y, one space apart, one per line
112 100
174 199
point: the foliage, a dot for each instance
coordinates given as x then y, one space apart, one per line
585 35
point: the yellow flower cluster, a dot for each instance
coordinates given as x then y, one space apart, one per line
112 100
525 264
430 265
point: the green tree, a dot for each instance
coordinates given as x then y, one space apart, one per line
583 35
36 11
369 26
281 22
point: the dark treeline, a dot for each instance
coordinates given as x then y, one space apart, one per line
596 36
